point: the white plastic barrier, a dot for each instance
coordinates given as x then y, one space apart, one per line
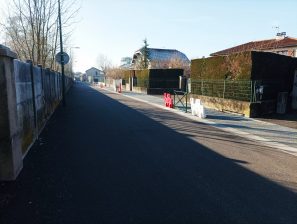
117 85
197 108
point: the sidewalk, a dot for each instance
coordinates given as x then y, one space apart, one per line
268 134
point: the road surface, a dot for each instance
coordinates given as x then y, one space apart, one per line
106 158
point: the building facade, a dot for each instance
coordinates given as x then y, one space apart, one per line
95 75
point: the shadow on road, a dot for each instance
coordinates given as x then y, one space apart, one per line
100 161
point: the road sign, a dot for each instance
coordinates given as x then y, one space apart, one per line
65 57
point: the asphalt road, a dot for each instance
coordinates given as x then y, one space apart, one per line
109 159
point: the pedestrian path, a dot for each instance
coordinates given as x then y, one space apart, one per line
272 135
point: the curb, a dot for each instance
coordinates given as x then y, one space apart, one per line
265 142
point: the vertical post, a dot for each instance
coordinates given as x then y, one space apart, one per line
49 92
224 89
186 102
42 77
252 92
42 91
173 99
33 92
294 91
11 161
62 55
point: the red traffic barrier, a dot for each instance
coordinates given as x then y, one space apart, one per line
167 100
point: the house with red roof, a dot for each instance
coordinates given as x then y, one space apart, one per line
265 72
281 45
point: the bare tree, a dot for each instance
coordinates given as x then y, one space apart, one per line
114 72
173 62
103 62
236 64
31 28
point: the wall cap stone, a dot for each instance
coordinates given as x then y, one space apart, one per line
6 52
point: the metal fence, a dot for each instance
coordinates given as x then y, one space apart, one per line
226 89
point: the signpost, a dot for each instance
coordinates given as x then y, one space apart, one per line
62 58
62 55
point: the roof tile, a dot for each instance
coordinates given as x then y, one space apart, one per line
259 45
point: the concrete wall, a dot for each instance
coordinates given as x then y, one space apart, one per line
236 106
11 161
139 89
28 95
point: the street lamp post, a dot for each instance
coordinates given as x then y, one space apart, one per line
72 57
62 54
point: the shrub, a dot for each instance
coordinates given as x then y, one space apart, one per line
234 67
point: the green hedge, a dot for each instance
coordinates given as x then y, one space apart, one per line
234 67
227 89
142 77
126 75
238 75
142 74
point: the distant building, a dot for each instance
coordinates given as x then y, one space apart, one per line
94 75
281 45
159 58
78 76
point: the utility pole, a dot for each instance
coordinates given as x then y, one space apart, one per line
62 55
72 59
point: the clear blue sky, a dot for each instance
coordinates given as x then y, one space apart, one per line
117 28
